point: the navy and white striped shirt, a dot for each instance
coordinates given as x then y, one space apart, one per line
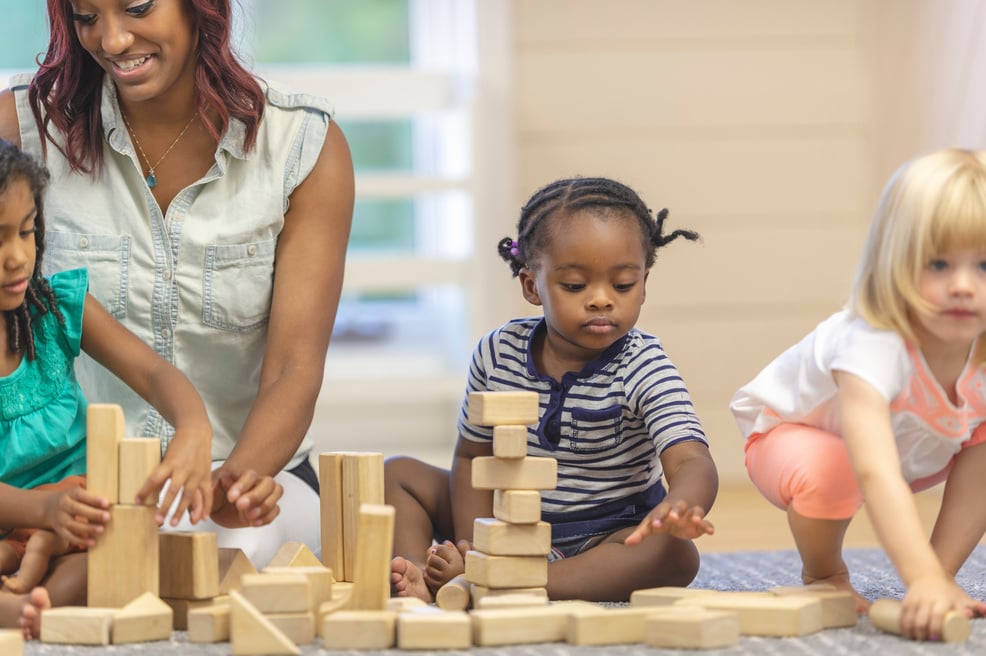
605 425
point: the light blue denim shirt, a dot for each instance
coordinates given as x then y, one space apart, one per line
195 284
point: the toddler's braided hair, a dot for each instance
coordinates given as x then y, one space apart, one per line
565 197
17 165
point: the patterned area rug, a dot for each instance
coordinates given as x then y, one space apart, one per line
872 574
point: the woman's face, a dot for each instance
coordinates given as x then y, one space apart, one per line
146 46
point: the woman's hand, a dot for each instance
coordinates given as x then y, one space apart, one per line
244 498
187 464
76 516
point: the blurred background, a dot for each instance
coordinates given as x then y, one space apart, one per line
769 126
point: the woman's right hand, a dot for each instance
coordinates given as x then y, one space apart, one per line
76 516
244 498
928 599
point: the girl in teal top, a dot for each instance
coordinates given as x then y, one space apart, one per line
46 322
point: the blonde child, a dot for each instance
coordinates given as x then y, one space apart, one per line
43 412
615 413
886 397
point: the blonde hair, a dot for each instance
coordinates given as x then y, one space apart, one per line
930 206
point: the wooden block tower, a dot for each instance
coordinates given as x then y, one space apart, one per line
510 549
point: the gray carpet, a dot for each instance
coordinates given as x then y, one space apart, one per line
872 574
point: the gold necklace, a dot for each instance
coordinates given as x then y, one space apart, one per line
151 176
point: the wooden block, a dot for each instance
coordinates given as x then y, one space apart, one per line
298 627
838 606
294 554
139 456
530 473
252 634
277 593
499 538
209 624
668 595
124 562
885 615
401 604
454 595
182 608
319 582
76 625
513 600
330 503
189 565
145 619
691 628
360 629
431 628
608 626
503 408
341 589
362 482
764 615
11 642
374 550
528 624
233 564
510 441
506 571
481 593
105 428
517 506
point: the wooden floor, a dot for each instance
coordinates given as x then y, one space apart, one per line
745 521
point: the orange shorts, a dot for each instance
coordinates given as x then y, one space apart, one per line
18 537
809 470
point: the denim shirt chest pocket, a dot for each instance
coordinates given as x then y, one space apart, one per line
106 257
596 430
237 285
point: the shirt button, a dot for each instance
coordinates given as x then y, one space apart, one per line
252 250
166 332
167 275
84 242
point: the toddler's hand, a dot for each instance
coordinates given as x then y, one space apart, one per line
76 516
187 463
675 518
927 600
244 498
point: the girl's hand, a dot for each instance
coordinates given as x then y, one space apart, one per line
187 463
76 516
675 518
244 498
922 614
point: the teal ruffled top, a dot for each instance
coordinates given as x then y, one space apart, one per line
42 409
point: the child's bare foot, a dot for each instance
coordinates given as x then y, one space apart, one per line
30 622
841 582
406 580
445 561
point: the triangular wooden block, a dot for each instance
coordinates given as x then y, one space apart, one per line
233 564
252 634
294 554
144 619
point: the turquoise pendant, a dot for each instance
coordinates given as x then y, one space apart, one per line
151 180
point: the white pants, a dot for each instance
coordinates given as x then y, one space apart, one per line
298 521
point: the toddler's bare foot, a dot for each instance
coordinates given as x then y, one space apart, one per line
840 581
445 561
30 620
406 580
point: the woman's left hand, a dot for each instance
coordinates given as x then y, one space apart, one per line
244 498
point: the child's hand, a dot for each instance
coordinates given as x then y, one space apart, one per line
244 498
927 600
76 516
675 518
187 463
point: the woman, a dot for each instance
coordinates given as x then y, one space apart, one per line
180 180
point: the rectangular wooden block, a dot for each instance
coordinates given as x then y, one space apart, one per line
183 608
362 482
371 573
692 628
431 628
105 428
144 619
330 504
277 593
765 615
513 600
298 627
668 595
524 625
76 625
124 562
11 642
189 565
498 538
319 581
233 564
506 571
838 606
360 629
209 624
510 441
480 593
139 456
529 473
496 408
607 626
517 506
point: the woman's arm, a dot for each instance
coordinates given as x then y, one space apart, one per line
187 461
